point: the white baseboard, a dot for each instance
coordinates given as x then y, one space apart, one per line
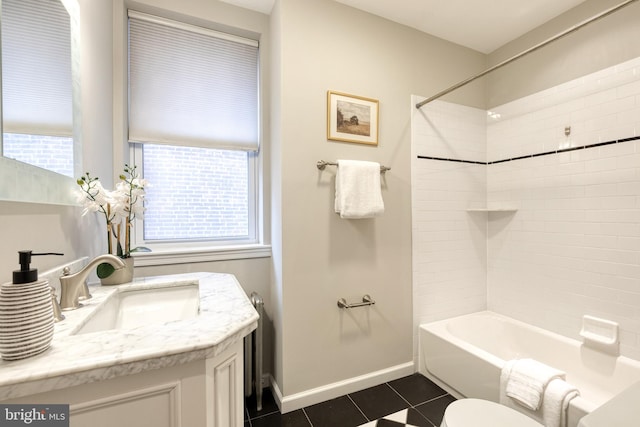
340 388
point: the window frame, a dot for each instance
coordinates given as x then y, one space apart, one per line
199 250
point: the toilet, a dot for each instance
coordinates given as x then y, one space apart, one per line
484 413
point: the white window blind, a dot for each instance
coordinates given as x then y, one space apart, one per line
191 86
36 68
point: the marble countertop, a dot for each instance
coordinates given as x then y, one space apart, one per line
226 316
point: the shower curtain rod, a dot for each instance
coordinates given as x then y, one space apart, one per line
526 52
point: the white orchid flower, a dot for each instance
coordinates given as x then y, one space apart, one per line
120 206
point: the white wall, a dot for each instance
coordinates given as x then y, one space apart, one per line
601 44
573 246
41 228
323 45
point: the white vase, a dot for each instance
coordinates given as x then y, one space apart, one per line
120 276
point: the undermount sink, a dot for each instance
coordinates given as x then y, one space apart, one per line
132 308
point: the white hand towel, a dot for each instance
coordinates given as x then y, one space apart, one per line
358 192
555 402
527 381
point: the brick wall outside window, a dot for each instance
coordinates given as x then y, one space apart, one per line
195 193
54 153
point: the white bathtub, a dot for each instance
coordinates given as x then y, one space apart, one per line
465 355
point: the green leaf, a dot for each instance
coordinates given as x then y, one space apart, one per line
104 270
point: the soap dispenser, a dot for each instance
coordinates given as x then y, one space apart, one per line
26 312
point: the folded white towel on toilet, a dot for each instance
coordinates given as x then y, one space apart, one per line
358 190
527 381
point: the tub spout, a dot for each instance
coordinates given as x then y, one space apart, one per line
72 285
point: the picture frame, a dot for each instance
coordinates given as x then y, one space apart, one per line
352 118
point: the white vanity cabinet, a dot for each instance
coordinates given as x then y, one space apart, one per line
201 393
225 382
174 373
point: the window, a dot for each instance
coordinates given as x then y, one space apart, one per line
37 105
197 193
193 126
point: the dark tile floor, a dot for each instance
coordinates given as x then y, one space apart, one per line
422 400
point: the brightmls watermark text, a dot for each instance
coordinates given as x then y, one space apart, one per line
34 415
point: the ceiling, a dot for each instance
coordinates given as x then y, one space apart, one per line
482 26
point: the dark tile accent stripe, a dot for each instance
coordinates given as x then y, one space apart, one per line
529 156
452 160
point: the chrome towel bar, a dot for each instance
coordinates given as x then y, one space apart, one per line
366 300
323 164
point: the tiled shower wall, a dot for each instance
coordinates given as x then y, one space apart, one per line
572 247
449 244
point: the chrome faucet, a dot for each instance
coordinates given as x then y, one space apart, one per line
72 285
